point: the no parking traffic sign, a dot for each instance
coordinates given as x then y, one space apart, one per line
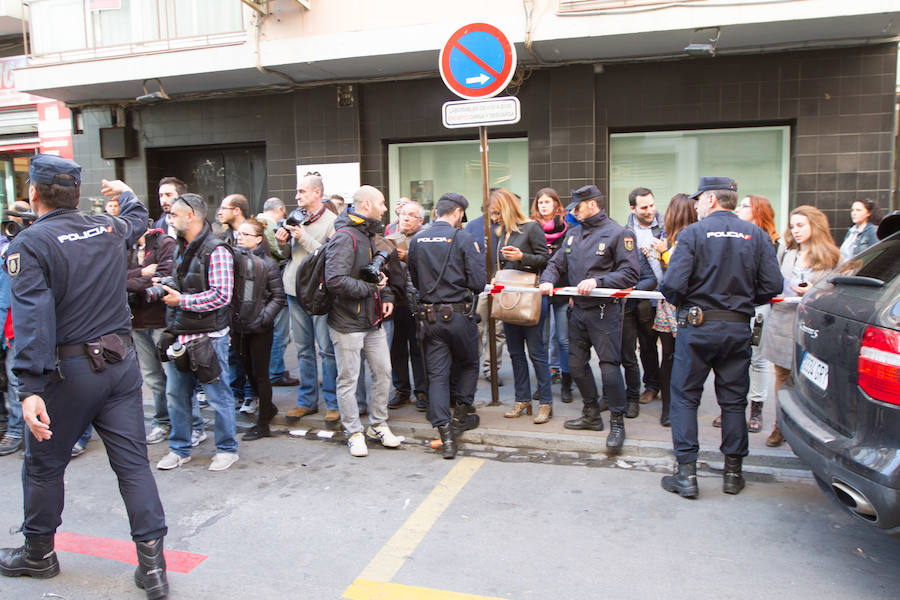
478 61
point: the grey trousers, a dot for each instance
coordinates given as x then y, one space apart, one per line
347 347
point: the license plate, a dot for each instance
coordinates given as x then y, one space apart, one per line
815 370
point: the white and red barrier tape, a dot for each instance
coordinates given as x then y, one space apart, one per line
606 293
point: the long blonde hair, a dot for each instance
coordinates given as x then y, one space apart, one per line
822 252
510 209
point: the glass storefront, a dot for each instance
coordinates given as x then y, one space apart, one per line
423 171
669 162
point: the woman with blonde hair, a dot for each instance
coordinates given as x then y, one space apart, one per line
809 255
523 246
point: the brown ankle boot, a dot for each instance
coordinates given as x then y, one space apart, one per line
545 412
775 438
517 410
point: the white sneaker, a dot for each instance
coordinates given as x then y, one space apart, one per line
357 445
197 436
157 434
171 461
249 406
223 460
201 399
383 434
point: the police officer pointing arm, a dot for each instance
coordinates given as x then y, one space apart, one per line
722 267
76 364
447 269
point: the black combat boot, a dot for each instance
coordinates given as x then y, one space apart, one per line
733 480
35 559
448 440
616 438
590 418
464 418
565 388
150 574
683 482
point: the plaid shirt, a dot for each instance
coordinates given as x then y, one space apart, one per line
221 284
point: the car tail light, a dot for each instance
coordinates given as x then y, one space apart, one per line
879 364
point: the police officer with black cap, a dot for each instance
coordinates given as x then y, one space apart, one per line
76 364
722 268
447 269
598 253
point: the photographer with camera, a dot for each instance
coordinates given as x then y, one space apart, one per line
76 365
354 274
196 338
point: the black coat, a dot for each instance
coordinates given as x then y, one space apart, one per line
530 239
274 298
159 249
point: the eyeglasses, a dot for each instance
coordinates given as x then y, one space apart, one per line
223 207
240 233
744 205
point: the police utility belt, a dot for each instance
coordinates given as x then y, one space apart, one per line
432 312
105 350
696 316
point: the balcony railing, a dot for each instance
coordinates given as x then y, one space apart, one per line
72 30
576 7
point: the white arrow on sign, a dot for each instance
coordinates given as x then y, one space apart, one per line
480 79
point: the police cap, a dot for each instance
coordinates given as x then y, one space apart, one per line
714 183
583 193
49 169
456 199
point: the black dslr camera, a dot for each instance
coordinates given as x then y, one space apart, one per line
156 293
297 217
11 228
372 271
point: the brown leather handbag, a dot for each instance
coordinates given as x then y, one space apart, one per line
516 308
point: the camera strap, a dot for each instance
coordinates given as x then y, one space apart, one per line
440 276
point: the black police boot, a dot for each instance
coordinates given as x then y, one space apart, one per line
565 388
150 574
632 409
35 559
616 438
448 440
683 482
590 418
733 479
464 418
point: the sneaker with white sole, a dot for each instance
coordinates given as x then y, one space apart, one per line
249 406
157 434
171 461
197 436
383 434
77 450
202 402
357 445
223 460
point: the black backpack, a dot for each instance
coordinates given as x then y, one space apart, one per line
249 295
310 290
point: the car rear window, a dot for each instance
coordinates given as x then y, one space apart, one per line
881 261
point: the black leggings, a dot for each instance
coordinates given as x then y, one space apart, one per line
254 351
665 369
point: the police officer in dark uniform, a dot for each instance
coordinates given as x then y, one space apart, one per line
447 269
721 268
76 364
598 253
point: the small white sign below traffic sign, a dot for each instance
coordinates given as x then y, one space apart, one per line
479 113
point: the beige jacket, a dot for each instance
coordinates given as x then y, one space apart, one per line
319 232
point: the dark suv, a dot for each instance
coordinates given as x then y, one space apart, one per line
842 414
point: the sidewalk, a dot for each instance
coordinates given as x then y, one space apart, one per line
646 438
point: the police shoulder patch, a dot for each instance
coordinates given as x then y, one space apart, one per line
629 244
13 264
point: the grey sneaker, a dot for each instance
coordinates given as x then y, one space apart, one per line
249 406
77 450
9 444
157 434
197 436
171 461
223 460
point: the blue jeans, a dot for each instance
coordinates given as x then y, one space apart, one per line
556 336
517 337
307 331
85 437
14 405
180 388
154 375
280 338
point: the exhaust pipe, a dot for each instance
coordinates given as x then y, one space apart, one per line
854 500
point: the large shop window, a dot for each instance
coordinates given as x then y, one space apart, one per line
426 170
669 162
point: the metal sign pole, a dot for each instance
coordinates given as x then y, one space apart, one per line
488 263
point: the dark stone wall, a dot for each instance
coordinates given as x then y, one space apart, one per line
839 104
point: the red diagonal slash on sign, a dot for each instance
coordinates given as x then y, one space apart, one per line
492 72
122 551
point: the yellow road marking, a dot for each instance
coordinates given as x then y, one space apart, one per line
398 549
381 590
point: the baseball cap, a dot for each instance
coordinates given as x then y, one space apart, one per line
714 183
457 199
49 169
583 193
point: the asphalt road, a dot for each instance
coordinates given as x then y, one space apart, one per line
298 518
